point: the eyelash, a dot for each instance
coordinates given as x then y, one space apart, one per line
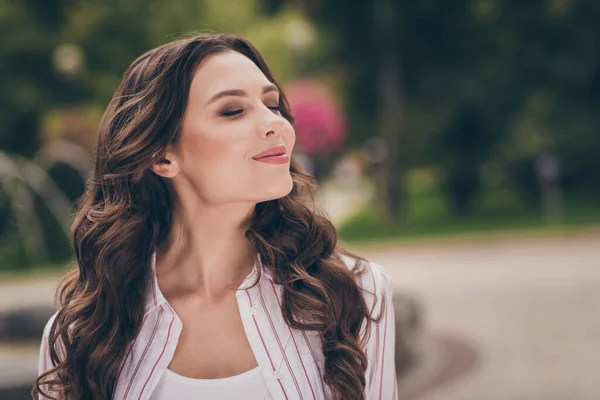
235 113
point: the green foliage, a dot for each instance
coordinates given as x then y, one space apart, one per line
59 54
497 211
528 71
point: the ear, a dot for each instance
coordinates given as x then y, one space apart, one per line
166 165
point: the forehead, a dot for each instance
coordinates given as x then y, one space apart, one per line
224 71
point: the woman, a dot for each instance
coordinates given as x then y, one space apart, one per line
204 269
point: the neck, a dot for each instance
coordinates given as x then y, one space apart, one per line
206 253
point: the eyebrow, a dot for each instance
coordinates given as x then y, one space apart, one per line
240 93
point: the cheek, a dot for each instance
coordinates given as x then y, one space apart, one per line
216 163
213 148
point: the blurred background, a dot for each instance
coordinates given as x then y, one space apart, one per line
455 142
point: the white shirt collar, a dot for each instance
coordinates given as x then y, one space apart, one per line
155 298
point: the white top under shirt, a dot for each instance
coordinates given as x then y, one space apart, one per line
248 385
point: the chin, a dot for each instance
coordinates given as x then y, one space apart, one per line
274 192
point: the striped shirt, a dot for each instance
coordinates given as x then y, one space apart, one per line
291 361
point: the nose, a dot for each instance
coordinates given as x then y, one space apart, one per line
273 124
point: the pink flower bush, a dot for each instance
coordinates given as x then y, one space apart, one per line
320 127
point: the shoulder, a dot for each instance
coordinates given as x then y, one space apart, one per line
45 361
371 277
48 325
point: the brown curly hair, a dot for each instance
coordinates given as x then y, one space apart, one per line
126 212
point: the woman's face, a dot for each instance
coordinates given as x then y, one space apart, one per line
232 115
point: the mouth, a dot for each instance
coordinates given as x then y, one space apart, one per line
278 151
275 159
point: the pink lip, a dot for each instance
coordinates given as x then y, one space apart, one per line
278 150
278 159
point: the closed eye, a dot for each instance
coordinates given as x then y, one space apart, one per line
232 113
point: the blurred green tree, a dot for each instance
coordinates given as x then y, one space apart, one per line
457 84
403 61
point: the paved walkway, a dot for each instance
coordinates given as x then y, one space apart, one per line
22 293
529 308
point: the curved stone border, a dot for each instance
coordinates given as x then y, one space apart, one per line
441 358
24 324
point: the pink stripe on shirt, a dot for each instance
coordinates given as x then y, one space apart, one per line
265 346
295 344
159 357
139 363
287 362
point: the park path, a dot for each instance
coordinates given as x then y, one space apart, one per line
529 308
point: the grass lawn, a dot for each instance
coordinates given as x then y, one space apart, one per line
37 272
497 212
